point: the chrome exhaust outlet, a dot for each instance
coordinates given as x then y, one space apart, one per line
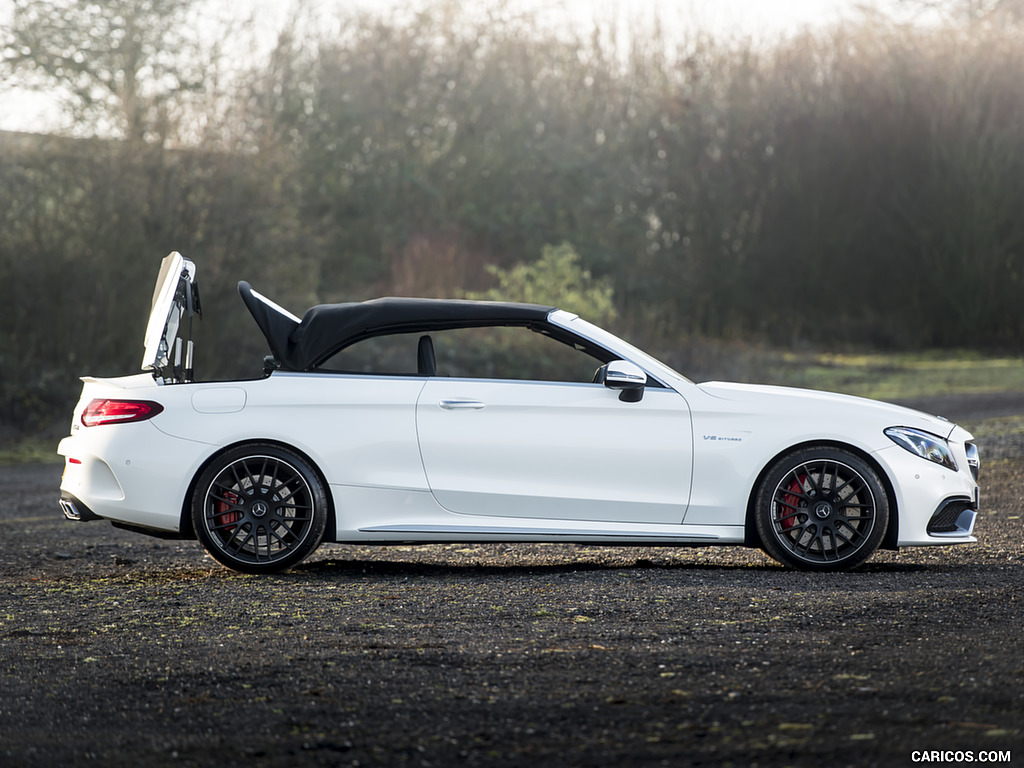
70 510
75 510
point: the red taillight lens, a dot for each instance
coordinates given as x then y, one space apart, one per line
119 411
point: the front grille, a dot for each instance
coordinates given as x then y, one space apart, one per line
948 518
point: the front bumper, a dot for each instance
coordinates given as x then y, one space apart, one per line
936 505
954 519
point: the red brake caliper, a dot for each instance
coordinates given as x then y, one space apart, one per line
792 497
223 514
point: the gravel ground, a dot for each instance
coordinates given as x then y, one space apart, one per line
121 650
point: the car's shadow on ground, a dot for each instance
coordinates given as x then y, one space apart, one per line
360 568
340 567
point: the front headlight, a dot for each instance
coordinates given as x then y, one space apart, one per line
924 444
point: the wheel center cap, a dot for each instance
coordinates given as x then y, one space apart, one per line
259 509
822 510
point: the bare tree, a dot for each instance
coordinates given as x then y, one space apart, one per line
118 64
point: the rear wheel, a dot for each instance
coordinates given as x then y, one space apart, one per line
821 509
259 508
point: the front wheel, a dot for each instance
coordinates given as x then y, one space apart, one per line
821 509
259 508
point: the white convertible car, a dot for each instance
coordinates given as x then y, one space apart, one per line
421 420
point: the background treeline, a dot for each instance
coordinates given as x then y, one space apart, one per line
859 185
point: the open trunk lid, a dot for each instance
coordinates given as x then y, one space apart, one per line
168 341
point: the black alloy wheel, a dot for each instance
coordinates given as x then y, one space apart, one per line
259 508
821 509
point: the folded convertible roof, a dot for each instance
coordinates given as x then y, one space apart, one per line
326 328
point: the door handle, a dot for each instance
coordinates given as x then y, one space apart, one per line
459 405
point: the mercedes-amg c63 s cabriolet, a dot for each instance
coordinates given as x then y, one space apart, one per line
401 420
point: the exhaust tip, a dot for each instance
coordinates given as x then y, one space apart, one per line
70 510
75 510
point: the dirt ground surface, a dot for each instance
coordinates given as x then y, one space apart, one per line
121 650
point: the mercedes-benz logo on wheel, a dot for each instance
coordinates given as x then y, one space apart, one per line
823 510
260 508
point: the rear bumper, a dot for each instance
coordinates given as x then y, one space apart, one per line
129 473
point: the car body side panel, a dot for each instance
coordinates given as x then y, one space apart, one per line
739 430
359 430
356 430
389 515
555 450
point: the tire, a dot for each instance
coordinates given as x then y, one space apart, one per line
821 509
259 508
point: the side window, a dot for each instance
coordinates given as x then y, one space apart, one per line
381 355
478 353
510 353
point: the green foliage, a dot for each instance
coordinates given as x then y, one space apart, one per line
555 279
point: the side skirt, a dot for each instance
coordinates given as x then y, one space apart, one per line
457 533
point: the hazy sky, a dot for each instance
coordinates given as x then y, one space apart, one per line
759 18
751 16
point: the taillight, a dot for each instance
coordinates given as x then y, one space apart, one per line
119 411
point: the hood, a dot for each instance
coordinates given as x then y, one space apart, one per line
810 401
168 340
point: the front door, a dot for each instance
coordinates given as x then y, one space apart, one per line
555 450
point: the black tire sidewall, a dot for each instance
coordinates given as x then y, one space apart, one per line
783 466
304 548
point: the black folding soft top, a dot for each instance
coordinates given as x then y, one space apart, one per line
326 328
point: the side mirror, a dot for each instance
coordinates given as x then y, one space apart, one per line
626 377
